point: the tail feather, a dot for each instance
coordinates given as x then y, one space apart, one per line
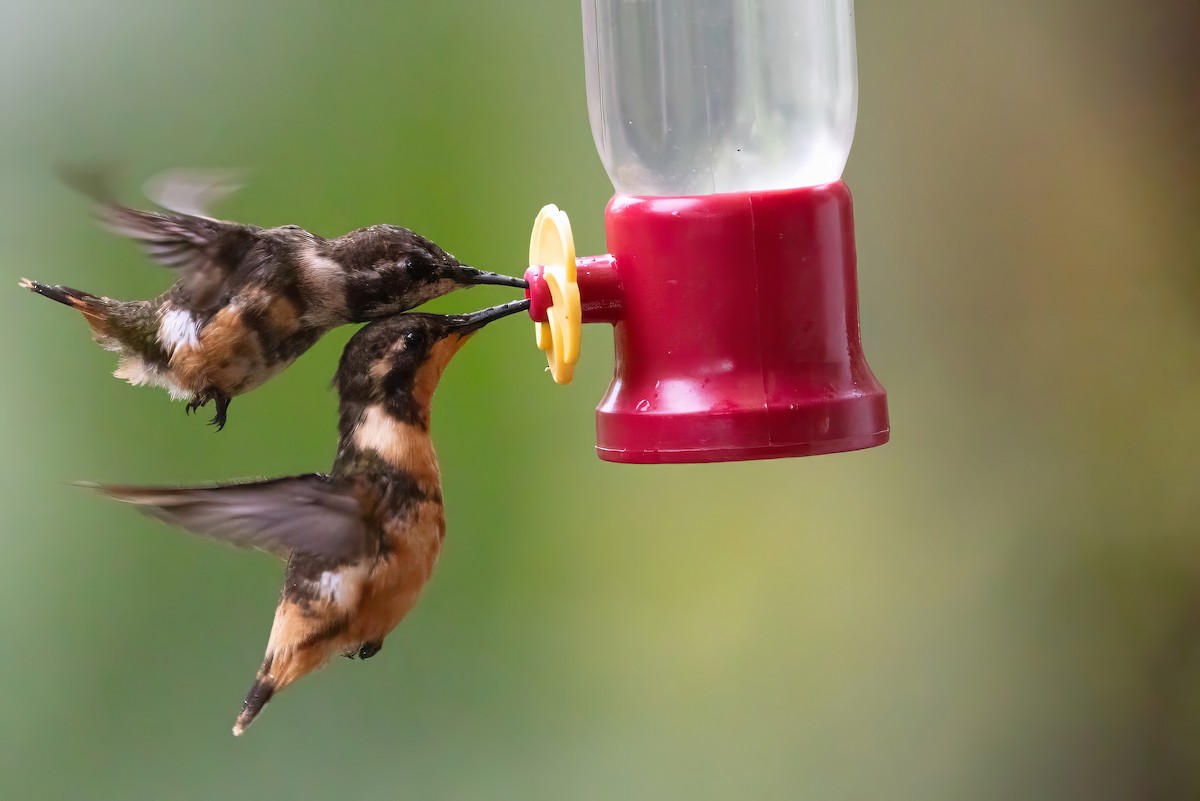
96 311
299 644
86 302
256 699
260 692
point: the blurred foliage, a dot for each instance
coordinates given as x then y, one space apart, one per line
1002 603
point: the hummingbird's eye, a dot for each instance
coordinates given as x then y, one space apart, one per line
413 340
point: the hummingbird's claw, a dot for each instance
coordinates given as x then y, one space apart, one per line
198 400
222 414
201 399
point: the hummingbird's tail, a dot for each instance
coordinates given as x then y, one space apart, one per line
298 645
278 671
97 311
91 305
130 329
260 692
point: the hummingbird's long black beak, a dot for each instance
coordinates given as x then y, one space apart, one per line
470 275
464 324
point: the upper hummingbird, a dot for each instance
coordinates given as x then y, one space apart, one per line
361 542
248 300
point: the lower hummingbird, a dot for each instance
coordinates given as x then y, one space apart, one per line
360 542
248 301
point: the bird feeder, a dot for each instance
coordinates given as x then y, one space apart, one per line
730 278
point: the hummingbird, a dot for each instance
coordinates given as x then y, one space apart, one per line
248 301
361 541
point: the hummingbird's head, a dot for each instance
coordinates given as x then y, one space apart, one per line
398 360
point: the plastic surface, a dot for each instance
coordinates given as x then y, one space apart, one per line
738 335
558 323
602 304
690 97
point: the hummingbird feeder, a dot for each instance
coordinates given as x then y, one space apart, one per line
730 280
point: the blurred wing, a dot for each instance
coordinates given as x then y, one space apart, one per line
197 246
179 241
305 513
192 192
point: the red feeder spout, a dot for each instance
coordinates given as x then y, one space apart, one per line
736 328
599 290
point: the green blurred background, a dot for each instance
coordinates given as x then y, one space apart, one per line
1003 603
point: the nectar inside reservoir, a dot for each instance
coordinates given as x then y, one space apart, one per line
731 278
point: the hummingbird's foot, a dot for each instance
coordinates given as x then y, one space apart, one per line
198 400
223 402
369 649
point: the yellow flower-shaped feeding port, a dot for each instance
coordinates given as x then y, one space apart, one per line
552 248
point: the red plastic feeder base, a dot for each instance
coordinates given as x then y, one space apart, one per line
738 332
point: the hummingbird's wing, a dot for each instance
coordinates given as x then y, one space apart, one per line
204 250
192 192
306 514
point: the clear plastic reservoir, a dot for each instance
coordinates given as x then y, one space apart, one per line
691 97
